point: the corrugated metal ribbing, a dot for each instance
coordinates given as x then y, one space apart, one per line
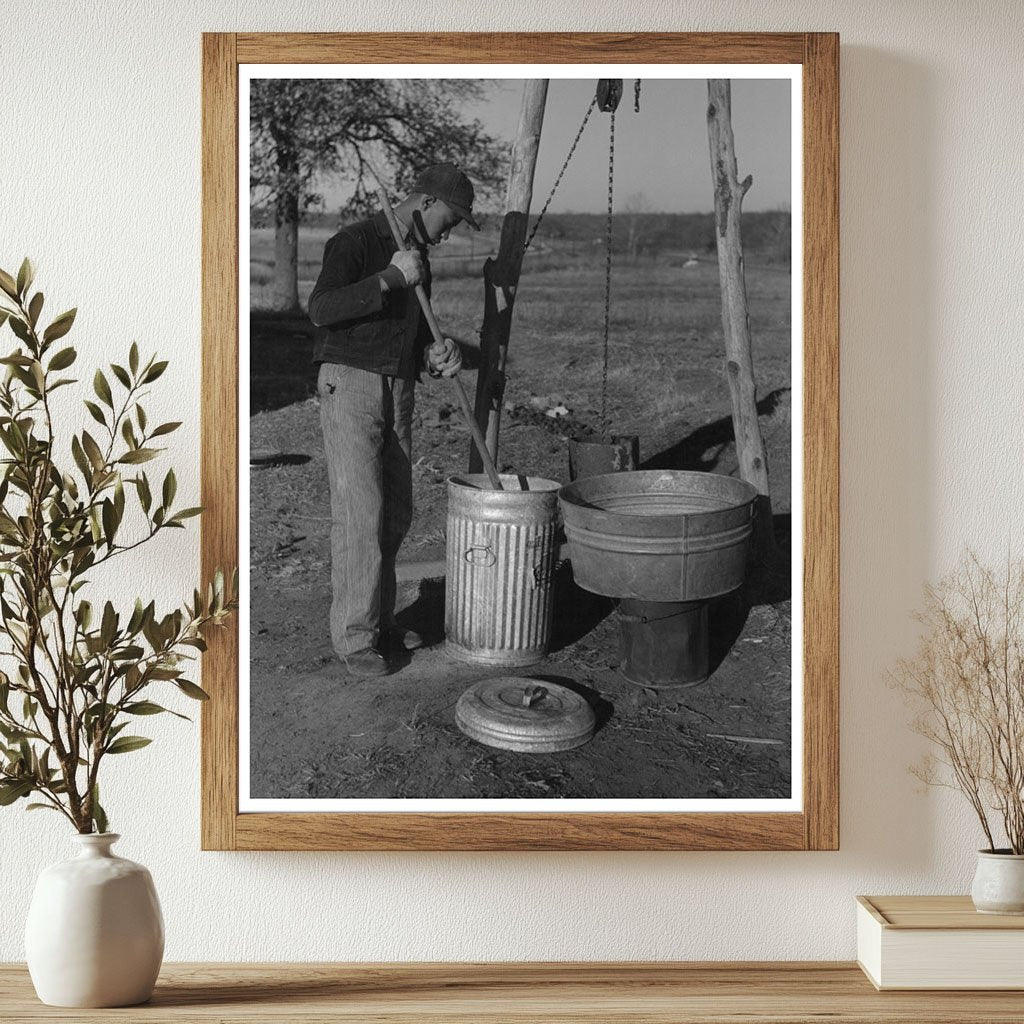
499 556
518 567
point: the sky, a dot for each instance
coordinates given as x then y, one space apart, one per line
661 154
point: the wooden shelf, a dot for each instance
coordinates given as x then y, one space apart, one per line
655 993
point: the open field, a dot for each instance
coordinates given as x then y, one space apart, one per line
315 734
576 237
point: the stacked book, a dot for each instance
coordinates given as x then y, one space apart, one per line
938 942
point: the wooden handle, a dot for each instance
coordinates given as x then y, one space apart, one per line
428 315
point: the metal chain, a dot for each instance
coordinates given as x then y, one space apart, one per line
558 180
636 95
608 280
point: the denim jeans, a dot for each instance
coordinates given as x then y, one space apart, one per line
366 420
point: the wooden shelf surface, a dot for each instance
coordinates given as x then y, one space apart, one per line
524 993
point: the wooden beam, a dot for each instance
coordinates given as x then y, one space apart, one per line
739 360
821 439
501 275
219 430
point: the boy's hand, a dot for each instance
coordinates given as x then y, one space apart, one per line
444 360
411 266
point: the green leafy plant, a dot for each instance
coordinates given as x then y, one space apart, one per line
81 672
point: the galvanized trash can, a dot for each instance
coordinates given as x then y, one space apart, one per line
500 560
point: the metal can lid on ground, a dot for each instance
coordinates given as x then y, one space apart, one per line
520 713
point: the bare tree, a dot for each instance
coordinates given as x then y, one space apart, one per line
304 129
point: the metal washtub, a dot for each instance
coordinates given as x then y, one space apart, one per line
658 535
500 559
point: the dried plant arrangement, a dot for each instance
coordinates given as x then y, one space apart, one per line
81 671
967 682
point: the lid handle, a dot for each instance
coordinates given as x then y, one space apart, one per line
532 694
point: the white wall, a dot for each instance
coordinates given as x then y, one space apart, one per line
100 182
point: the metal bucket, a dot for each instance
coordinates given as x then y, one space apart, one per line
663 645
658 535
500 560
619 454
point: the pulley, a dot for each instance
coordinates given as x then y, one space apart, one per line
609 92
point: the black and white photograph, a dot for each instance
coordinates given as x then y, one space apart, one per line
520 382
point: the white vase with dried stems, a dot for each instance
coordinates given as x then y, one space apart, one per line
967 682
78 679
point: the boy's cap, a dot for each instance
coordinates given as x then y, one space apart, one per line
447 183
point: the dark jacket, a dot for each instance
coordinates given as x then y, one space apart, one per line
358 325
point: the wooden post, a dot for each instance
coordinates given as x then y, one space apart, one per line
739 362
501 275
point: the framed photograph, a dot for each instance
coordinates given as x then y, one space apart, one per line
531 343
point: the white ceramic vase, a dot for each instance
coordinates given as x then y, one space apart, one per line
95 934
999 883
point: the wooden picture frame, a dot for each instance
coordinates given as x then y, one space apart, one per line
816 826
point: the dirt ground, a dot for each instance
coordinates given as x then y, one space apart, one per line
316 733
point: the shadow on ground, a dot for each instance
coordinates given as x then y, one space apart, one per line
281 370
701 449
